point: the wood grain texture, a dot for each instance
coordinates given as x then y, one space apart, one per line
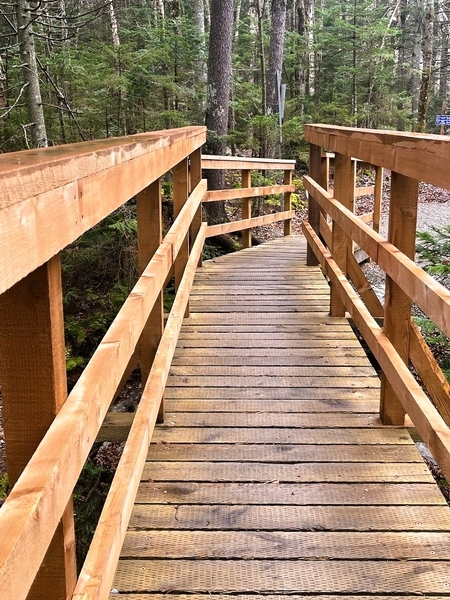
271 473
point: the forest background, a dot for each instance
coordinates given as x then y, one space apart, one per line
104 68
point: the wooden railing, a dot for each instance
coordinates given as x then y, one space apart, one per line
49 198
246 192
398 341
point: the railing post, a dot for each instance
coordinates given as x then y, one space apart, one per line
378 198
149 221
246 208
397 309
34 387
315 161
325 171
180 195
196 177
344 191
287 202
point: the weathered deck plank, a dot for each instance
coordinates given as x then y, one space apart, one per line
272 473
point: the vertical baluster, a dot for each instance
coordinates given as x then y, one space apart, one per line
180 195
287 202
344 191
246 208
149 219
34 387
378 198
397 309
195 178
315 156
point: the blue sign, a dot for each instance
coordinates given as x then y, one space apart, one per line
442 119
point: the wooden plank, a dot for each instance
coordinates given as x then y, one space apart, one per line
285 473
195 177
281 435
363 286
397 306
247 191
271 494
268 597
405 153
59 190
238 163
312 358
270 371
367 190
276 394
214 230
34 388
287 545
301 405
315 517
282 381
118 505
344 577
284 453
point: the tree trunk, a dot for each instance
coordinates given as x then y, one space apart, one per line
33 98
218 96
416 60
427 66
197 14
277 34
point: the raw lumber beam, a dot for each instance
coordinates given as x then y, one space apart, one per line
31 512
430 296
238 163
244 224
118 506
406 153
246 191
427 420
71 194
34 388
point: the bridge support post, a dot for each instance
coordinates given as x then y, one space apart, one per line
397 309
315 167
246 208
34 387
344 191
149 220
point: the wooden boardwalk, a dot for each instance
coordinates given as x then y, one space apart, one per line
272 473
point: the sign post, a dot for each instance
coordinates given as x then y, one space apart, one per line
443 119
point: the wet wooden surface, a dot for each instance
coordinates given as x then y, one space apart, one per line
272 473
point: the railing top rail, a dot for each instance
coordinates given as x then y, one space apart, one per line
241 162
28 173
59 193
420 156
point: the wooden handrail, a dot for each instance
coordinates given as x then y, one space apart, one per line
36 503
399 340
